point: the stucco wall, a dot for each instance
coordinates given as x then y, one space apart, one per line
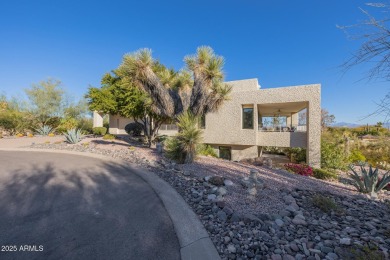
117 124
225 125
282 139
238 152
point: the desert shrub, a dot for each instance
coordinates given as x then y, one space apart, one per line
184 145
274 150
173 149
66 124
14 121
369 181
85 124
99 130
301 169
134 129
324 174
73 136
356 156
332 156
324 203
296 154
109 137
44 130
189 135
206 150
161 138
377 153
358 252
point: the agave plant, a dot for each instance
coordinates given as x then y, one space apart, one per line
73 136
369 181
44 130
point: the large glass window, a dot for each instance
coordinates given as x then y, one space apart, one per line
247 117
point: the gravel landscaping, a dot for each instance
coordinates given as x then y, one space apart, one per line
260 213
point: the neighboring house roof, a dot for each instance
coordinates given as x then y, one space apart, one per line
368 136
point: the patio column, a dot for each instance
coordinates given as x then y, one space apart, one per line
313 125
97 119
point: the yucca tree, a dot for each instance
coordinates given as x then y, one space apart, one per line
198 88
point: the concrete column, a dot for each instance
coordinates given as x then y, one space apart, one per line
313 125
294 119
97 119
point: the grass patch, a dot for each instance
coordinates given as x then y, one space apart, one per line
326 204
109 137
206 150
324 174
363 253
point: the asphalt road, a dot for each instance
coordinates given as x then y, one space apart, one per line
61 206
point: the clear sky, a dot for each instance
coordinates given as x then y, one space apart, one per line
282 43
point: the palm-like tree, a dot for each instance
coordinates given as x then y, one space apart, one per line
198 88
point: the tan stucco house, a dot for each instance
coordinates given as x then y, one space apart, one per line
254 118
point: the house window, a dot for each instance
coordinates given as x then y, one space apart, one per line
247 117
202 122
225 152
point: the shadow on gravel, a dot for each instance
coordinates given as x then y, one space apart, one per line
101 212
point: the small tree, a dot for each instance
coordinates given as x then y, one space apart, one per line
119 96
46 100
375 49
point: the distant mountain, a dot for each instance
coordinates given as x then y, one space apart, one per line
345 124
353 125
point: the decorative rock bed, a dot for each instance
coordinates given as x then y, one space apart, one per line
291 226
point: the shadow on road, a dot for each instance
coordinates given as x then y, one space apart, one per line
98 210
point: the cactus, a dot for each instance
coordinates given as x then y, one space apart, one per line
44 130
369 182
73 136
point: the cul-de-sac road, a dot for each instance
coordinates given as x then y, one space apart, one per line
76 207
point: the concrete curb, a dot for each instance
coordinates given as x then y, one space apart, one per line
194 240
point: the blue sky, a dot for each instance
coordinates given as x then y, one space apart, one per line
281 43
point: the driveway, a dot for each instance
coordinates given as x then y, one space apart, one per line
61 206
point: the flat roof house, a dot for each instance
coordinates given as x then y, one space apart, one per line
255 117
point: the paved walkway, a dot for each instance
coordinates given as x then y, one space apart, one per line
77 207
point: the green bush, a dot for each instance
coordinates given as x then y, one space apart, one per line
66 124
324 174
356 156
134 129
183 147
99 130
161 138
109 137
85 124
14 121
325 204
206 150
173 149
296 154
332 156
